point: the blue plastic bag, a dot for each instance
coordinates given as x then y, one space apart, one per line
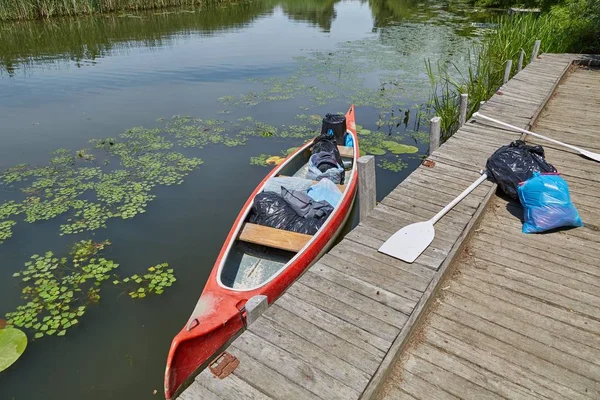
325 190
547 203
348 140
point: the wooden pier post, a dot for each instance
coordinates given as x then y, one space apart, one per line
521 57
367 186
462 116
435 130
507 71
536 49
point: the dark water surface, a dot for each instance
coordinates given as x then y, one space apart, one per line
67 81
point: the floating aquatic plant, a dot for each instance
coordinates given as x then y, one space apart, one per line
13 343
58 291
399 148
394 166
89 195
260 161
155 281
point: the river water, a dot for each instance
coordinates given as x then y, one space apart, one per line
265 68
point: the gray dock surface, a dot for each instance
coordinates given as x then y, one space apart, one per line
508 315
519 316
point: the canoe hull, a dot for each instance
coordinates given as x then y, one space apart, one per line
219 316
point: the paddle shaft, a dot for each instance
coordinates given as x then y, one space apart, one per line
457 200
516 128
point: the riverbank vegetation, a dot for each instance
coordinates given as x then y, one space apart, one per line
565 26
39 9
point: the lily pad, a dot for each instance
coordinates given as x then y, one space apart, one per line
364 132
399 148
376 151
13 343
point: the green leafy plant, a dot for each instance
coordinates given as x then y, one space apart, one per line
57 292
13 343
154 281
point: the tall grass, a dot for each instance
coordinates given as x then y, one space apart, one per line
36 9
486 63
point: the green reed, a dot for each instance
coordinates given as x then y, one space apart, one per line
38 9
484 71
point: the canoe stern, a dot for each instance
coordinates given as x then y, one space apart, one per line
213 325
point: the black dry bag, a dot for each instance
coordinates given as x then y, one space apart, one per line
334 127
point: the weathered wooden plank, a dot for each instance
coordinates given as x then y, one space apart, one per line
553 297
359 254
573 382
473 373
325 340
506 368
326 364
422 191
356 244
367 289
536 338
354 299
418 387
473 298
549 271
396 393
533 304
547 251
452 383
331 323
271 237
558 271
520 341
229 388
452 218
198 392
381 333
267 380
295 370
419 276
389 282
414 198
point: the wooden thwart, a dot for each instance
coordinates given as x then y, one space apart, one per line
272 237
346 151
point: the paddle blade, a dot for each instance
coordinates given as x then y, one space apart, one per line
590 155
409 242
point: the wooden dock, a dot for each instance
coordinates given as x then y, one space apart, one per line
508 315
518 317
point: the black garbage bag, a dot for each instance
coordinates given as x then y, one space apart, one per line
270 209
334 127
515 163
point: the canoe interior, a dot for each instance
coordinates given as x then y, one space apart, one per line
249 265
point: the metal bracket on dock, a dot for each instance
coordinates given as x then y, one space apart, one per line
254 308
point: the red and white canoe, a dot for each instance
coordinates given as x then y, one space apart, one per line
255 260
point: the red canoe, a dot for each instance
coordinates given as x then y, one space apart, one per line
255 260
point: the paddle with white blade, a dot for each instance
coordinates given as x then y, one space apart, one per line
409 242
589 154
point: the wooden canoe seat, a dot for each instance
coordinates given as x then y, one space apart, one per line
272 237
346 151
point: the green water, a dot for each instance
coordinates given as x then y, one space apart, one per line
229 86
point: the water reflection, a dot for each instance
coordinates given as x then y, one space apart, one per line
86 39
